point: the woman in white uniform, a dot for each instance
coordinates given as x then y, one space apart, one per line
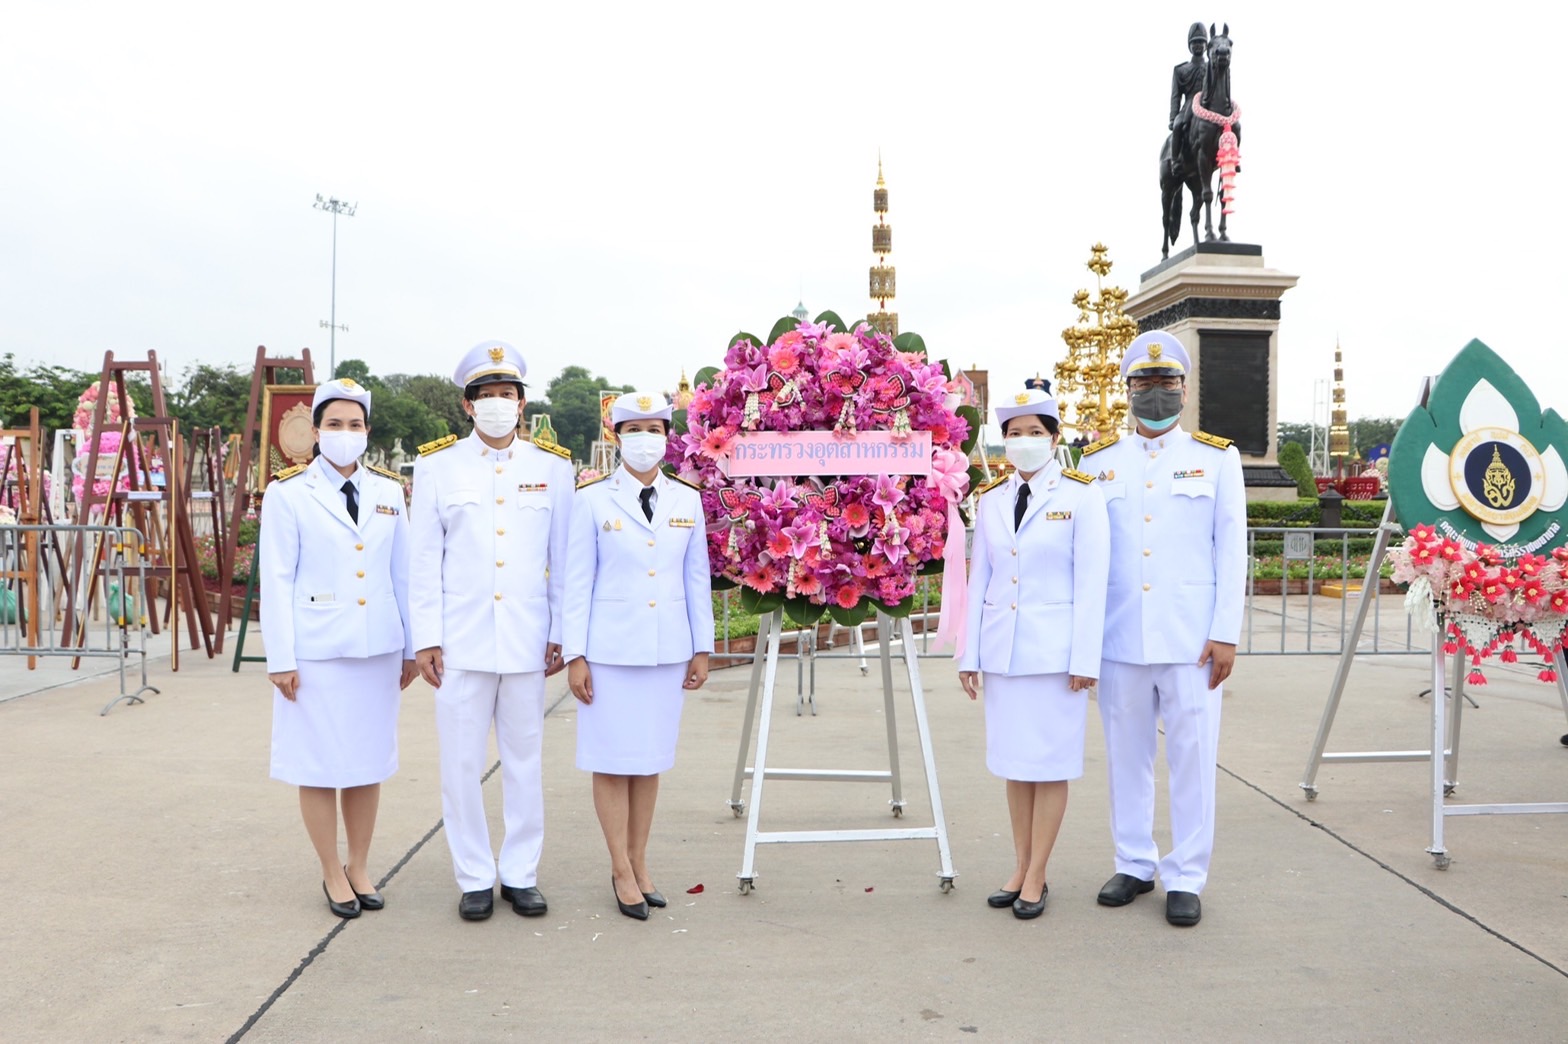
637 631
1038 573
334 619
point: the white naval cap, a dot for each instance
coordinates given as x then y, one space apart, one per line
342 388
489 362
640 406
1032 401
1155 354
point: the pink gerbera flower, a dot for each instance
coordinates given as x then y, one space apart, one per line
847 596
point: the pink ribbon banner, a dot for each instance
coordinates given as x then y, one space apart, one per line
772 453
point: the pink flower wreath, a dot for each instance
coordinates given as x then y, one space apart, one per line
846 545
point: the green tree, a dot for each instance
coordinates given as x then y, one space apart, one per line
401 419
438 394
572 401
1293 459
355 370
53 389
1295 431
1371 431
211 396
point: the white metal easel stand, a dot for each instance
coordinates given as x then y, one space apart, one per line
764 670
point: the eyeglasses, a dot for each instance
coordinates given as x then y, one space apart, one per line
1138 384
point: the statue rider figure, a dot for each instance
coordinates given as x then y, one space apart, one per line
1186 80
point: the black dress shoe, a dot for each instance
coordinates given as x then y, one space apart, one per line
1123 889
527 901
367 900
476 906
1183 908
348 911
1002 898
639 910
1024 910
653 898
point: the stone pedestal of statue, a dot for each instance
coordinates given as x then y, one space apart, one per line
1222 302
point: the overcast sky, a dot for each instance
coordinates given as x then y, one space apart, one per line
624 186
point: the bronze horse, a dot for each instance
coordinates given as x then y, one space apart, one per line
1203 139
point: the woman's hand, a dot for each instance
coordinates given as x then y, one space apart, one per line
553 663
287 683
1076 683
696 672
970 680
410 672
430 665
580 680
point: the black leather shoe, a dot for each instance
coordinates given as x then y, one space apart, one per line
654 899
639 910
476 906
1183 908
348 911
1024 910
367 901
1002 898
1123 889
527 901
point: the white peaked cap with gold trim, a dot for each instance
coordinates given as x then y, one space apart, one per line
639 405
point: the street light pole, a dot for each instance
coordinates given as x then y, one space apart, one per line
335 207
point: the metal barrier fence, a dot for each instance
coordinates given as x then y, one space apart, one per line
43 565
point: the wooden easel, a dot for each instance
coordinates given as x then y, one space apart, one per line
205 487
162 515
21 449
267 371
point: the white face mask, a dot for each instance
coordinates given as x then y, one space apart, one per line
1029 452
642 450
342 447
495 416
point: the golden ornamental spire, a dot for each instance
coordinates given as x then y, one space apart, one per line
1338 428
1093 367
883 275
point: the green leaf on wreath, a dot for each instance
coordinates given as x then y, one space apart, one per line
759 604
947 371
976 478
930 567
802 611
743 336
909 341
707 373
678 422
972 415
854 616
898 610
832 317
782 327
723 583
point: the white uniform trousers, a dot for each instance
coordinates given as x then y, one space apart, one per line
1133 699
466 703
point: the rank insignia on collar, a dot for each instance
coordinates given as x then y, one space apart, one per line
386 509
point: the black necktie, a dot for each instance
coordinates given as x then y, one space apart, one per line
1022 505
647 502
353 501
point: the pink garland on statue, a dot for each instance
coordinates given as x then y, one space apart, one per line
1228 156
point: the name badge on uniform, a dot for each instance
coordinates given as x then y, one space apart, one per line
385 509
1058 516
533 487
683 523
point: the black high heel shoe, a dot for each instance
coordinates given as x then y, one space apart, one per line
348 911
638 911
367 901
654 899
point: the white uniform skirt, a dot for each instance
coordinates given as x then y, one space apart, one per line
341 728
631 726
1034 727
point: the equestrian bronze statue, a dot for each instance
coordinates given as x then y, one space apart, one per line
1205 137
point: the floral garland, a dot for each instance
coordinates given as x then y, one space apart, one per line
1227 157
846 545
1484 601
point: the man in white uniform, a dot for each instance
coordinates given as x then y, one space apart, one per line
1178 513
489 525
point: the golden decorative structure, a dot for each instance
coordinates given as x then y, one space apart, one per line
884 277
1093 368
683 393
1338 429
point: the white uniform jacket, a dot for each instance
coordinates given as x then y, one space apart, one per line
1178 509
332 589
1037 595
489 553
638 593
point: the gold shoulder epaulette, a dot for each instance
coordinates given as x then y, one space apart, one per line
585 483
552 447
1212 440
385 473
991 485
439 444
1076 475
1095 447
685 482
288 473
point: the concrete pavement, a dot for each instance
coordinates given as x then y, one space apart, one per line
157 886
